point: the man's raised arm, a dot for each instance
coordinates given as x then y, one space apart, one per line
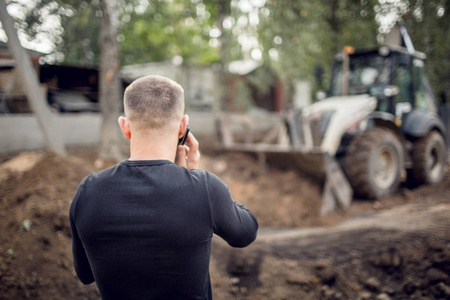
232 221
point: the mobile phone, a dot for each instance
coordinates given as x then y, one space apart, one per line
182 140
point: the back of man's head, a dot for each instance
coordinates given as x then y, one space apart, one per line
153 102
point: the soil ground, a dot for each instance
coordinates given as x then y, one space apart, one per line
395 248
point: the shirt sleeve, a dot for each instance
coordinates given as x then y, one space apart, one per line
80 259
232 221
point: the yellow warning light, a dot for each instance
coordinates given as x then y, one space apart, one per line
349 49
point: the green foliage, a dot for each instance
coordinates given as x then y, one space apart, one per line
428 23
165 30
151 30
296 37
81 48
307 34
69 28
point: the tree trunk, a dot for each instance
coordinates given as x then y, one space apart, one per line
223 7
37 101
110 86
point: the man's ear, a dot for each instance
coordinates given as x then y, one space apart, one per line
183 125
125 127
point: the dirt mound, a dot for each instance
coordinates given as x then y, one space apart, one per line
36 260
279 198
397 247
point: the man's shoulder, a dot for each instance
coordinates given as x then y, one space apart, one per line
212 180
107 171
102 174
198 173
204 174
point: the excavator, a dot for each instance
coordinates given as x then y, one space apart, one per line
377 126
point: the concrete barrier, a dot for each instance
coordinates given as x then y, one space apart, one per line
21 132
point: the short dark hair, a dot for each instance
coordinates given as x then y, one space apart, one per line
153 101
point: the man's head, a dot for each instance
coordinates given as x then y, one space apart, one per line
153 102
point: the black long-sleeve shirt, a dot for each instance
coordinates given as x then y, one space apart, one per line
143 229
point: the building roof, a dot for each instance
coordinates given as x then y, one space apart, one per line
4 49
243 67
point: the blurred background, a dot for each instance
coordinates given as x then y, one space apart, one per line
255 75
239 56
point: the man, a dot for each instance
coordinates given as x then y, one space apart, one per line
142 229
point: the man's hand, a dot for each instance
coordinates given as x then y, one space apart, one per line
188 155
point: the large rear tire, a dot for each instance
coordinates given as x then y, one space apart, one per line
428 157
374 163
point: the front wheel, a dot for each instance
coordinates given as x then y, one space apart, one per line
374 163
428 157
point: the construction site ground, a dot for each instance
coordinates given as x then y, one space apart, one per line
394 248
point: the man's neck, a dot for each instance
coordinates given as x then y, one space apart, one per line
153 148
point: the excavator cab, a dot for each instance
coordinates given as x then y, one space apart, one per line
391 74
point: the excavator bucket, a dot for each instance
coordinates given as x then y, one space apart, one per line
289 143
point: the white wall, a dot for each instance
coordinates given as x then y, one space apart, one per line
21 132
